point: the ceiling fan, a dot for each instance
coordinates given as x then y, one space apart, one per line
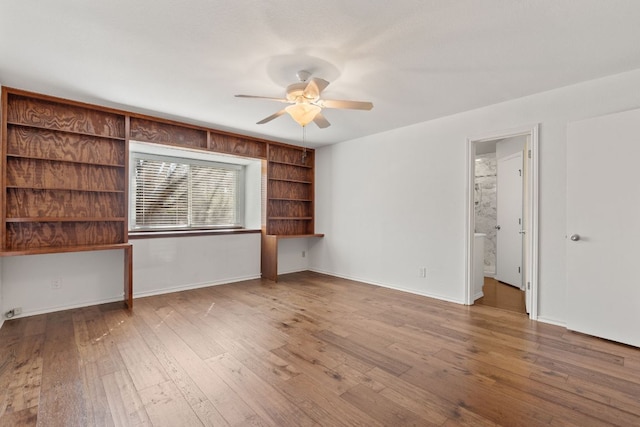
306 103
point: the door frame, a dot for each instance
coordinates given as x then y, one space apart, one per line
531 229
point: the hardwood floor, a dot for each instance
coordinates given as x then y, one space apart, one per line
309 350
503 296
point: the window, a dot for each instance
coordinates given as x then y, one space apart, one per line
172 193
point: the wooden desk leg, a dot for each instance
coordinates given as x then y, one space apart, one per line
128 277
269 264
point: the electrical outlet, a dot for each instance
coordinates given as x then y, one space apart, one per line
56 284
13 312
304 254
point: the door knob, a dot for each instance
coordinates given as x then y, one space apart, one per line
575 237
497 227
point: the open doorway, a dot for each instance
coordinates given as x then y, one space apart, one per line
502 218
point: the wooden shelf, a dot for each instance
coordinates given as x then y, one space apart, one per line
291 164
45 159
66 219
297 181
294 218
83 190
298 236
286 199
32 126
65 249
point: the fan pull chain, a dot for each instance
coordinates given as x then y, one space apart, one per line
304 144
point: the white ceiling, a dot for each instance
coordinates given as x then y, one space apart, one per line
416 60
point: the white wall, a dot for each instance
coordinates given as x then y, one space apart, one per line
290 257
160 265
85 278
165 265
394 202
2 311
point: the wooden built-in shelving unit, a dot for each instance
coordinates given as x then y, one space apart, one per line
290 188
65 176
289 201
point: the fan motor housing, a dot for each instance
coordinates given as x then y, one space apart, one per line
295 93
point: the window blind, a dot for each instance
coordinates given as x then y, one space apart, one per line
173 193
213 196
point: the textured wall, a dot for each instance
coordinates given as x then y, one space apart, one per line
485 207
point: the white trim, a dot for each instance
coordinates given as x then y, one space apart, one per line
551 321
532 227
295 270
53 309
470 221
135 295
508 133
388 286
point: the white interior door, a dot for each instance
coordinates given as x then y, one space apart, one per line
509 213
603 227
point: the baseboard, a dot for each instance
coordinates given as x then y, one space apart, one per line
478 295
1 323
192 286
388 286
52 309
299 270
551 321
135 295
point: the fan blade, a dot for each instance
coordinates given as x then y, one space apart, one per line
271 117
321 121
268 98
314 88
351 105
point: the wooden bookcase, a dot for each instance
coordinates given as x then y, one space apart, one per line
289 191
64 177
289 201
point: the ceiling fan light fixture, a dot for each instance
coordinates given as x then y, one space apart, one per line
306 101
303 113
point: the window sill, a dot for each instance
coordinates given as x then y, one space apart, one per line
133 235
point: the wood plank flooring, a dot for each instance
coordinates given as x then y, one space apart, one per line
310 350
502 296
